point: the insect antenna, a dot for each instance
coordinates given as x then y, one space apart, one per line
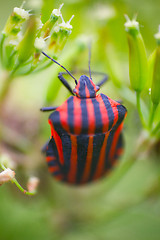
89 59
53 60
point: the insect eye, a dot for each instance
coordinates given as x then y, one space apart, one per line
74 90
97 88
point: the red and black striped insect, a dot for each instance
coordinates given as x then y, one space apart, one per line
86 132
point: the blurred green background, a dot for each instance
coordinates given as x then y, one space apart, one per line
124 205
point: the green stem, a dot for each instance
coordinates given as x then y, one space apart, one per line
21 188
139 109
129 96
14 180
1 48
155 129
6 84
152 114
5 87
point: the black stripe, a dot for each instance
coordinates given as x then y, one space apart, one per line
121 114
90 88
55 119
56 173
52 163
66 144
82 147
52 152
70 108
108 147
97 145
98 119
84 112
82 82
109 110
52 149
120 145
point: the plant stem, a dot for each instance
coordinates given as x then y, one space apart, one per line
139 109
156 129
1 48
14 180
5 87
152 114
7 82
21 188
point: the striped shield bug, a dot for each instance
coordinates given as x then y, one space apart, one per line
86 132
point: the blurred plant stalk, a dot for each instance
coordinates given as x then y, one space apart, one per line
144 74
23 39
138 64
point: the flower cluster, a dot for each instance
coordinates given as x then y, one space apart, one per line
25 36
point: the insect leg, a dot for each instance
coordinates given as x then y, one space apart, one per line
45 146
54 165
47 109
65 83
119 101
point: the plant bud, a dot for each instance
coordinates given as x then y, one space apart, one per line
155 89
14 22
6 176
33 184
46 29
26 46
60 36
138 65
151 61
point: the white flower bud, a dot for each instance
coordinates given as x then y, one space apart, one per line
57 12
6 175
131 24
32 184
40 43
21 13
66 25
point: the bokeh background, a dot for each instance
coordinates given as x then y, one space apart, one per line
124 205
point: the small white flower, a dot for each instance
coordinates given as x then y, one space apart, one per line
57 12
21 12
32 184
66 25
40 43
6 175
131 24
